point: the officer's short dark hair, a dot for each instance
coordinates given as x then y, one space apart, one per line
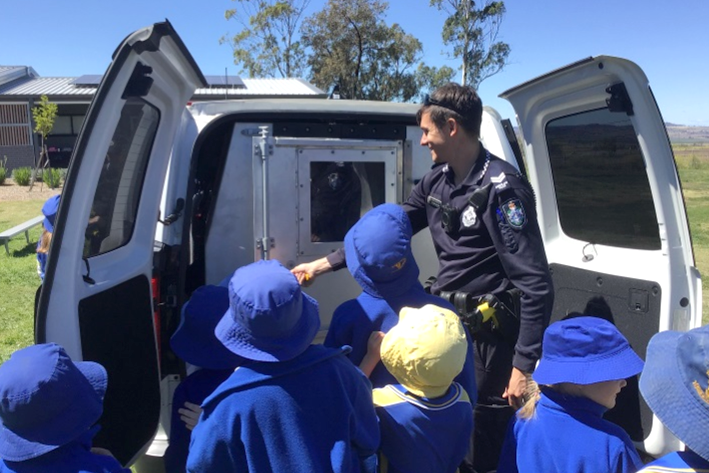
452 100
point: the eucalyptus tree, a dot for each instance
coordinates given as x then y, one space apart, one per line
472 30
268 43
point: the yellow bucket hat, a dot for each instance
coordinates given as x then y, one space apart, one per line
425 350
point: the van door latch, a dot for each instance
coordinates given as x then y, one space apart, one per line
176 213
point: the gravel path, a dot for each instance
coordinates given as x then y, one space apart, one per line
11 192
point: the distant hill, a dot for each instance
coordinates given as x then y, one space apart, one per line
679 134
687 134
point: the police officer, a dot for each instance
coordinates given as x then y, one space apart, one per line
482 217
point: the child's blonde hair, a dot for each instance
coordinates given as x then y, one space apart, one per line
44 240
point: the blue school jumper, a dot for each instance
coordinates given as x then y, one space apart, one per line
567 435
312 414
423 435
684 462
75 457
354 320
194 388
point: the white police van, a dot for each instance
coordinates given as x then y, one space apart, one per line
162 197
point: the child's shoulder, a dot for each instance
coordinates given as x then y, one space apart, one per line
346 308
391 395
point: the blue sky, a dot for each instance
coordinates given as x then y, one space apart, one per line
669 40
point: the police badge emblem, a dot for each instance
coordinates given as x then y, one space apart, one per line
514 212
469 216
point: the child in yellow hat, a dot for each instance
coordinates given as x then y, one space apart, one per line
426 419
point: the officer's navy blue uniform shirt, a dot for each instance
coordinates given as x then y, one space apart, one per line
496 248
567 435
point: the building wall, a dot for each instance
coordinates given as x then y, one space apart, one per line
16 137
17 156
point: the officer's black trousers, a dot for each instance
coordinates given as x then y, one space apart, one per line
493 366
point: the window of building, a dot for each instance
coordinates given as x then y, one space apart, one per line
15 126
602 189
67 124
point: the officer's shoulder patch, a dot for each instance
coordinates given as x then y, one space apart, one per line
514 213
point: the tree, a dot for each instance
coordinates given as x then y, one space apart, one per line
268 45
431 78
353 48
473 34
44 115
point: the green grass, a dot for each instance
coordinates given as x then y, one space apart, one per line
693 164
18 278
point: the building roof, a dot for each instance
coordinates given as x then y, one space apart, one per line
49 86
27 85
11 73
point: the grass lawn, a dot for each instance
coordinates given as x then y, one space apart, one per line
19 280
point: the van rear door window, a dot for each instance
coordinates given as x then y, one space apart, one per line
602 189
117 196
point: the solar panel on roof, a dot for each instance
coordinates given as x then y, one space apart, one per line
87 80
232 82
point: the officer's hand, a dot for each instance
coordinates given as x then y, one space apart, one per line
190 414
516 388
306 273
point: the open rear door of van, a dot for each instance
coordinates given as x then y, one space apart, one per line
611 211
97 299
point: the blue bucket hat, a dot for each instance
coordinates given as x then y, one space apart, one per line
675 386
585 350
194 340
49 210
269 317
378 252
46 400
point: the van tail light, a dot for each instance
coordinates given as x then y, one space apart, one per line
155 284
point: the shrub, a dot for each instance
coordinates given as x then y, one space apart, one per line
21 176
695 162
52 177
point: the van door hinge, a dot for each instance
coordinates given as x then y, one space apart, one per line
619 101
260 243
251 132
169 301
139 83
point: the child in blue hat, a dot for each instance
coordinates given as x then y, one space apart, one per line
49 210
585 363
296 407
675 384
195 343
379 257
48 408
